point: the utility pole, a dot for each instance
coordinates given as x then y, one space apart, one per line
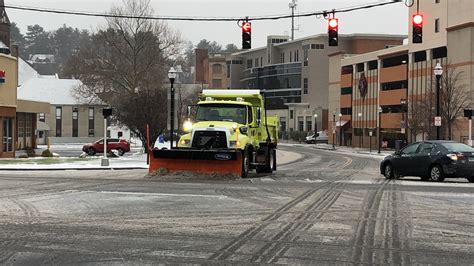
293 5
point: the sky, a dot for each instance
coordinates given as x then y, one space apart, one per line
391 19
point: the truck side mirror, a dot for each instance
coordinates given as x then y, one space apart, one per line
259 115
188 112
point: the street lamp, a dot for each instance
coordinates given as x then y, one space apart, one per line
403 124
380 110
333 129
438 71
360 123
316 123
340 130
172 77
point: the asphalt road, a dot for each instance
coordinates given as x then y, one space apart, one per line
324 208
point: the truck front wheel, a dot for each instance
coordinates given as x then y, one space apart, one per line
245 163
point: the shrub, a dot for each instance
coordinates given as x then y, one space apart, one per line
30 152
298 135
46 153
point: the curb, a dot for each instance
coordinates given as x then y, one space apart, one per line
76 169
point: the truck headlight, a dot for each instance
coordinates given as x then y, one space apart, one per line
234 143
188 126
185 142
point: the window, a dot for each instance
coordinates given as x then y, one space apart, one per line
309 123
297 55
91 121
437 1
282 124
42 117
346 91
7 134
411 149
305 55
256 62
217 69
75 124
59 113
228 71
217 83
305 86
291 114
318 46
300 123
282 58
437 25
21 125
120 134
291 57
28 125
249 63
249 115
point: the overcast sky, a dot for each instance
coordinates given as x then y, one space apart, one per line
391 19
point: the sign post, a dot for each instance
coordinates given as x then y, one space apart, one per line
469 113
106 112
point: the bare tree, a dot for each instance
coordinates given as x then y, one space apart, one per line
125 66
454 98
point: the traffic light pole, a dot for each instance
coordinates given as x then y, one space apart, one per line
438 128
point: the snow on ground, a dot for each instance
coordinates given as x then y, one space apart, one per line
364 153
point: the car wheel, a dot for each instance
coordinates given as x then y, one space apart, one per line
120 151
245 163
470 179
91 151
388 171
436 174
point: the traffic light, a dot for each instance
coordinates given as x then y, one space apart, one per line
246 35
417 28
2 76
333 27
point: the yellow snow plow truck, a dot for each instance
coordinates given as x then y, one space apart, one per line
231 134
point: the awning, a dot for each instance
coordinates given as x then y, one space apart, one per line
42 126
341 123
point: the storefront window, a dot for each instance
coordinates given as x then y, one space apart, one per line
7 134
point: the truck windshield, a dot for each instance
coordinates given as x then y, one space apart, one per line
222 112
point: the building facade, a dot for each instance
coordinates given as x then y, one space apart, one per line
8 97
295 74
68 120
394 90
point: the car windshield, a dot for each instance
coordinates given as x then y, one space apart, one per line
222 112
457 147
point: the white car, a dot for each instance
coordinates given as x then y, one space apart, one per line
320 137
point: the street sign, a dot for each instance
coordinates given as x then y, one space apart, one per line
403 130
437 121
403 124
370 133
468 113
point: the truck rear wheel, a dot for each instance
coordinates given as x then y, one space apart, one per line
270 162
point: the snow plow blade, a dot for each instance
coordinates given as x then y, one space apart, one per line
197 161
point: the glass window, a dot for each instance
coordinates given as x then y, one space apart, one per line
28 125
410 149
7 134
42 117
58 112
457 147
217 83
217 69
305 86
291 114
425 148
222 112
437 25
300 123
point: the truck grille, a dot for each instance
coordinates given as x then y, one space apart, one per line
209 139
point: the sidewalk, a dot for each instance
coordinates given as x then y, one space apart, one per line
340 149
135 161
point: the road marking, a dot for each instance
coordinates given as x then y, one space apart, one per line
146 194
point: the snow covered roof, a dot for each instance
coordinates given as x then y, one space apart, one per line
42 58
54 91
25 72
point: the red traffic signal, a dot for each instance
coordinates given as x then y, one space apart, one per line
333 28
417 28
246 27
333 23
246 35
